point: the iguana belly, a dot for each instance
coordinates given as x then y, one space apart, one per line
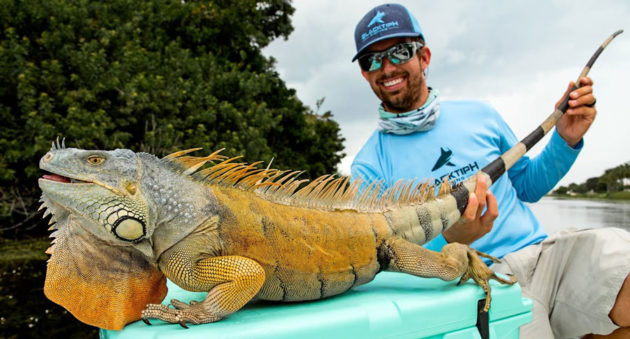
306 253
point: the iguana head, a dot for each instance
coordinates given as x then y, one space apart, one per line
102 266
100 188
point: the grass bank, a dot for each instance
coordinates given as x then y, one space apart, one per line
24 310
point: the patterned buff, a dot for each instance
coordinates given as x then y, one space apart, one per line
421 119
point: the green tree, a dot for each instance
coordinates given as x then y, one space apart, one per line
592 184
561 190
581 188
613 177
153 76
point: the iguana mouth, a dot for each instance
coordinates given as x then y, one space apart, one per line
53 177
62 179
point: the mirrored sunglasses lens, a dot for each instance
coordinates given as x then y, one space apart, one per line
395 60
376 64
402 52
398 54
371 62
365 62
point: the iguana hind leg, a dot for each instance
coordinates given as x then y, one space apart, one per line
232 281
453 261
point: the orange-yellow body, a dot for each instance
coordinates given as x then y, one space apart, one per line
306 253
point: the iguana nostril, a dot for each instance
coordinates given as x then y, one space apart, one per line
48 157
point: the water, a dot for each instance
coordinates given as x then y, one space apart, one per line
556 214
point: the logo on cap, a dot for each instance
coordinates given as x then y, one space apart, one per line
380 28
377 18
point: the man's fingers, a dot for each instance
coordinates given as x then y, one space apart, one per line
492 212
586 86
580 107
480 192
586 81
582 101
582 98
470 213
566 92
581 92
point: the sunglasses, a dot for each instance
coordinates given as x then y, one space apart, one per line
397 54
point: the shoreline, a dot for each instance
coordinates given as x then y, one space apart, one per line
623 196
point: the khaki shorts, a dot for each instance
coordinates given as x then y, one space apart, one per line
573 279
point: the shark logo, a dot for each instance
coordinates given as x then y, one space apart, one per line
378 18
444 159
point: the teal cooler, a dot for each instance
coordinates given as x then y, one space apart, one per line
394 305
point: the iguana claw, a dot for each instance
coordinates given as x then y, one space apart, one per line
181 314
481 273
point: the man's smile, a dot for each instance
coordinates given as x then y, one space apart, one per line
393 84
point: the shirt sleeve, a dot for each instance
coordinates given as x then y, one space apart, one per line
532 178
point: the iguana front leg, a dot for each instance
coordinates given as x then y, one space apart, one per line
455 260
232 281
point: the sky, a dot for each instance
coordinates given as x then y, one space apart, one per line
518 56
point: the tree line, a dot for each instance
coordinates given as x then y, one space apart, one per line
154 76
610 182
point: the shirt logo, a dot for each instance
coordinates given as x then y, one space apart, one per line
456 175
378 18
444 159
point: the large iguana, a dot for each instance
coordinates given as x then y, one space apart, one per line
125 221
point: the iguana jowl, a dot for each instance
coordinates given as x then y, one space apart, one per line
124 221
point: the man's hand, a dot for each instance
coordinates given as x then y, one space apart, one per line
580 114
473 225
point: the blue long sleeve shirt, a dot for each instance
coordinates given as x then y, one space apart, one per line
469 135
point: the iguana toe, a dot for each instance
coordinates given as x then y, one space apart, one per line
182 313
481 274
181 305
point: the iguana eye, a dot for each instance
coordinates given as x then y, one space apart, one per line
95 160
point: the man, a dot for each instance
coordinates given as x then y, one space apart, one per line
577 288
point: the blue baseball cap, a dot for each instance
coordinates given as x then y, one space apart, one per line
385 22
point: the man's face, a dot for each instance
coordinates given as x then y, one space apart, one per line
401 87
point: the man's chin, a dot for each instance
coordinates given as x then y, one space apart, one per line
397 106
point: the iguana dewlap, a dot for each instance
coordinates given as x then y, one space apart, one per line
125 221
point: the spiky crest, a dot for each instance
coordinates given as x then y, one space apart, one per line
325 192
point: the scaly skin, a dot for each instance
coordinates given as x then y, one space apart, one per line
135 219
287 253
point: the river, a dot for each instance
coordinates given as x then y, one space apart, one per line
556 214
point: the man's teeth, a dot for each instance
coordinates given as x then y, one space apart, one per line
392 82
